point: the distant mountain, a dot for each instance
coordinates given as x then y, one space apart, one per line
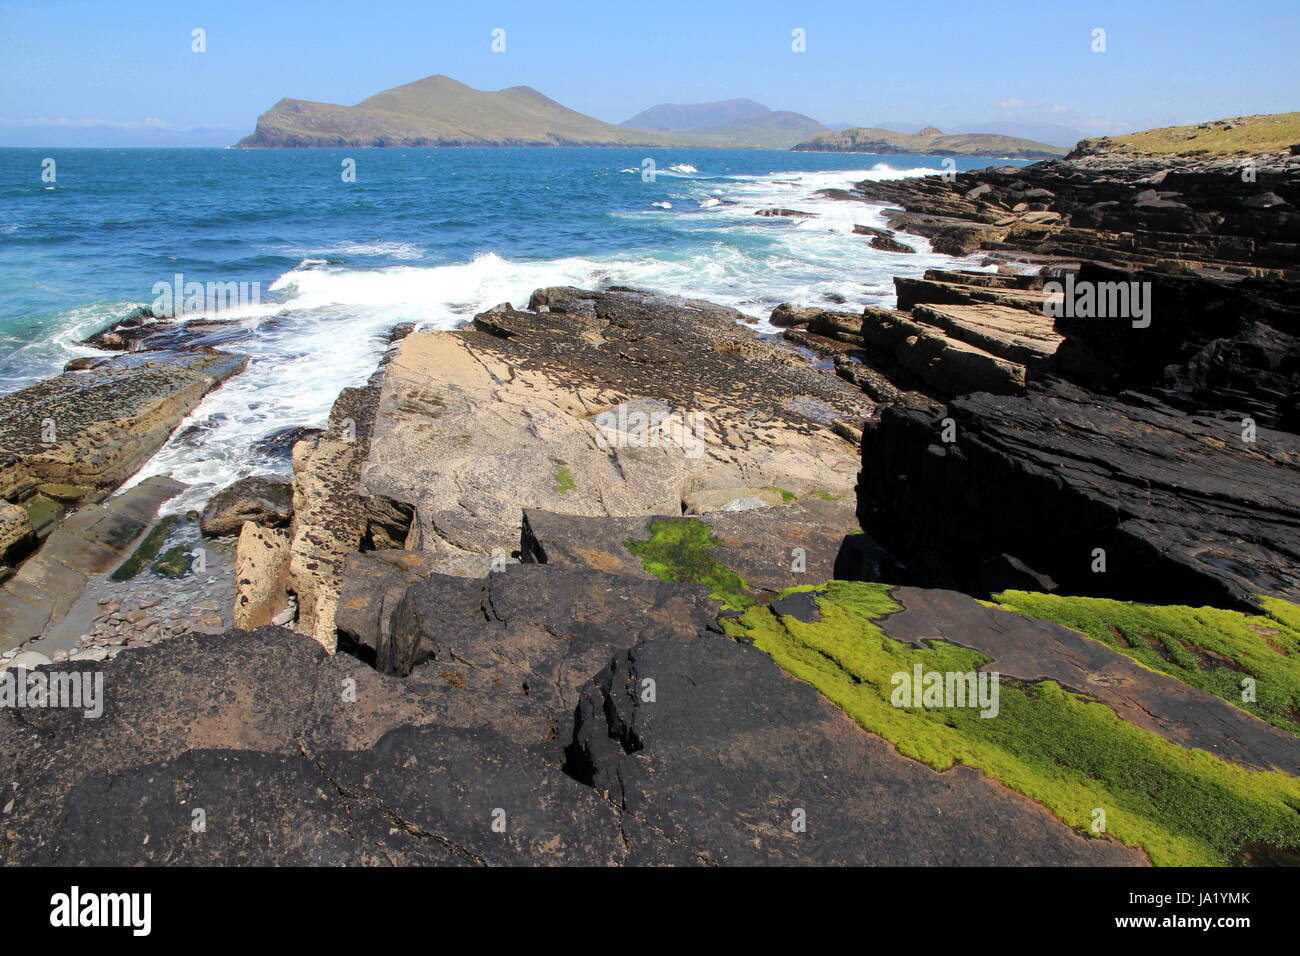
727 123
674 116
928 142
439 111
1053 134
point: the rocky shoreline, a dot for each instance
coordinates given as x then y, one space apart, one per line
614 580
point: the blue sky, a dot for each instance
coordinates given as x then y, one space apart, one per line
123 73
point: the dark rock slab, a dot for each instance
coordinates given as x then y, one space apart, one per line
1210 344
524 641
373 582
731 747
1185 510
222 808
759 544
482 798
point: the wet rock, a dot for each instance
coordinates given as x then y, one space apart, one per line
262 499
96 428
886 244
89 542
278 445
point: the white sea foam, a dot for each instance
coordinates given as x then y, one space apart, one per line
329 318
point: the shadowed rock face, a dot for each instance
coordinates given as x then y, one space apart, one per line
1185 510
1209 345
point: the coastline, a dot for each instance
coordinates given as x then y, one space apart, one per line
463 574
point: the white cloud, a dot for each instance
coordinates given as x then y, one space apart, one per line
1010 104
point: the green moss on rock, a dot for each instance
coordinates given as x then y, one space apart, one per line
42 511
146 551
1070 753
564 482
1208 648
175 562
677 550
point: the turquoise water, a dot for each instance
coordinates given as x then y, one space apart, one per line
429 236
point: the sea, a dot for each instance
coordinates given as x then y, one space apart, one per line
330 248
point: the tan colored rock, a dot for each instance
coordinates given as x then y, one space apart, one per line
261 573
1014 334
96 428
15 528
330 519
945 365
620 406
16 482
731 499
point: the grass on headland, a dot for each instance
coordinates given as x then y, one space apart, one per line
1262 133
1205 647
1073 755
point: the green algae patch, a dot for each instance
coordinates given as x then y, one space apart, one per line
1232 655
786 495
564 482
146 551
63 492
42 512
175 562
677 550
1068 752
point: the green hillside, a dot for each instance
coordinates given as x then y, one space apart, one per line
928 142
1261 133
439 111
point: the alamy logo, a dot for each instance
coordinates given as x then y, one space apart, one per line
651 425
75 690
75 909
1099 300
178 297
943 689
